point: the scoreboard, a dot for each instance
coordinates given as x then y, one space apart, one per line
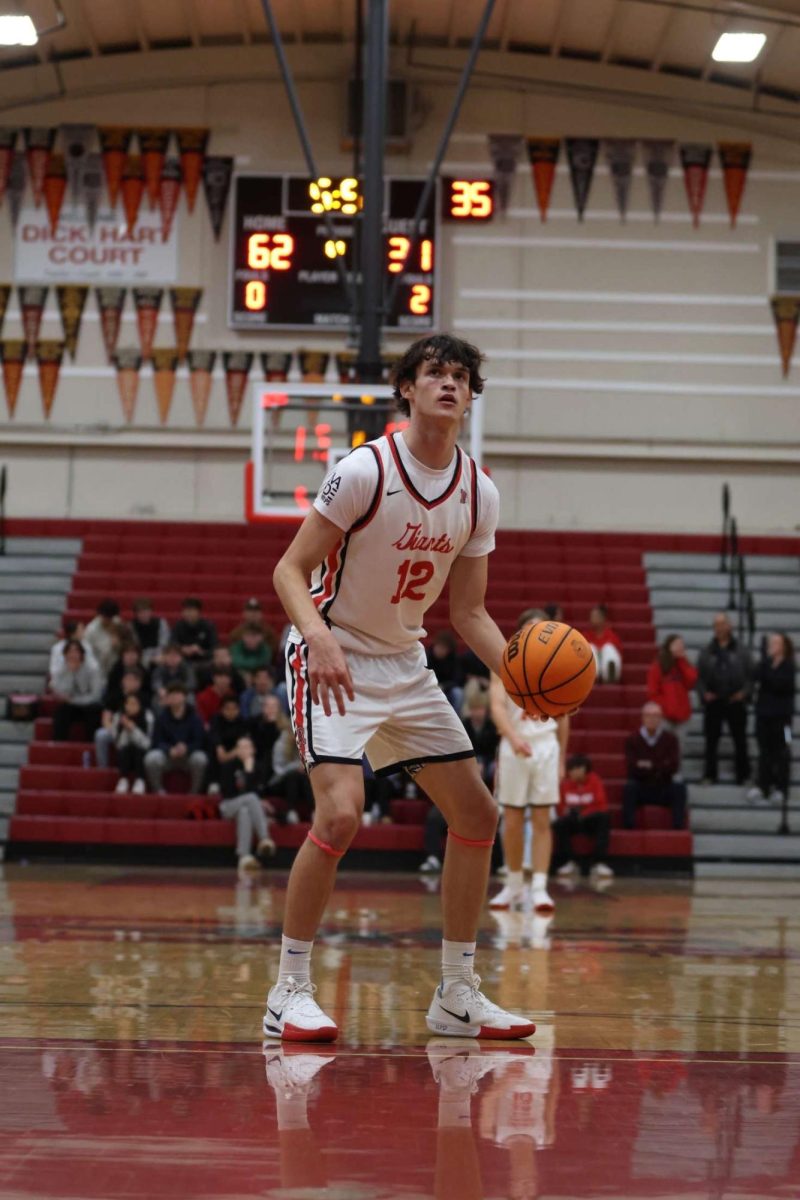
283 270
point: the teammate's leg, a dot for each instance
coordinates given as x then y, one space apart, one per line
542 854
512 895
292 1012
458 1008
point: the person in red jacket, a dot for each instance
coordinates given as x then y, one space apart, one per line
670 680
582 808
606 646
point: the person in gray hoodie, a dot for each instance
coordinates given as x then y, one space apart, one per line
77 685
725 677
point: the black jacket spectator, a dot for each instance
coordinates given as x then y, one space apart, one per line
776 689
484 737
193 630
724 670
170 730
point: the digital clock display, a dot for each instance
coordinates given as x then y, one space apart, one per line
284 273
467 199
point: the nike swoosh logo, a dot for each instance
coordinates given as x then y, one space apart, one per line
277 1016
465 1018
394 491
297 952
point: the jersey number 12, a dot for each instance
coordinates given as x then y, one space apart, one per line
412 578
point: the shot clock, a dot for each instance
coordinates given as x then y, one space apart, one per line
284 273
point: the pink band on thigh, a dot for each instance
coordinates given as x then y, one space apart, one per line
469 841
324 847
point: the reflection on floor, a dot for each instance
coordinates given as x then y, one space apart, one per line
666 1061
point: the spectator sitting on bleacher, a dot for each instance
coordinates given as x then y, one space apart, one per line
77 686
171 669
240 801
653 759
252 698
775 679
265 729
131 684
72 631
105 633
196 636
253 618
480 728
208 702
178 739
606 645
220 659
582 808
132 734
130 659
443 660
289 780
554 611
670 680
473 668
225 730
151 632
725 677
249 653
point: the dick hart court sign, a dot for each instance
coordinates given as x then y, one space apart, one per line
106 253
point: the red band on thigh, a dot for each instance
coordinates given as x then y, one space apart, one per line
323 846
470 841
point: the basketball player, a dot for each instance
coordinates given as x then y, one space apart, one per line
390 524
530 764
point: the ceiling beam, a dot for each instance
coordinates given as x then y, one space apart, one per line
247 33
506 22
138 22
559 25
86 26
612 29
663 40
190 14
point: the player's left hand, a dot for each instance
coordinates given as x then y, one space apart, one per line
328 673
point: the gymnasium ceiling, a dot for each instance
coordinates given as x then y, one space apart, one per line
650 39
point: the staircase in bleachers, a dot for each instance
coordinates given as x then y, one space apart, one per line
224 565
686 590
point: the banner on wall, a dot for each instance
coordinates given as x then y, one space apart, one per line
313 365
132 189
169 193
582 158
128 363
734 159
201 364
192 145
237 364
184 301
504 150
13 353
785 313
217 174
148 304
31 302
71 302
153 146
55 186
17 182
5 294
38 148
695 160
620 156
92 186
165 364
657 161
8 140
543 156
76 143
78 253
110 302
48 357
115 143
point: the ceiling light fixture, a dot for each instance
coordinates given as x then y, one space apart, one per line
17 31
738 47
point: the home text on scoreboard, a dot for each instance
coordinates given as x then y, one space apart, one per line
283 270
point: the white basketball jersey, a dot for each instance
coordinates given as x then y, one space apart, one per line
393 559
522 724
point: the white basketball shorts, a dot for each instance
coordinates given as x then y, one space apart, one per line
400 717
528 781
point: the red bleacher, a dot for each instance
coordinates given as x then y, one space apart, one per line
226 564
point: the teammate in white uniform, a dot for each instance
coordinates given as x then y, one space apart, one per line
530 765
391 523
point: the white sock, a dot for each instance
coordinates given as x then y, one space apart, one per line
458 960
295 960
540 881
514 879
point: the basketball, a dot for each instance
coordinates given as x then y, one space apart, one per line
548 669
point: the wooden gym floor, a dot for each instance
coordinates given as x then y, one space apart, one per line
666 1061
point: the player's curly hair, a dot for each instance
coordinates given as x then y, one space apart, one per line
441 348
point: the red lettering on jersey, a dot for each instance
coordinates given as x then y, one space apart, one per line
412 539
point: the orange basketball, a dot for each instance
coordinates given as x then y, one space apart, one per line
548 669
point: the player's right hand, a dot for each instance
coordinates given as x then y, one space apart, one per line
328 673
